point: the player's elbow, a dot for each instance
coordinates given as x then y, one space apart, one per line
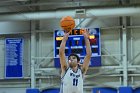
89 54
61 50
60 53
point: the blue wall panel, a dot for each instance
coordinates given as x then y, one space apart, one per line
125 90
137 90
32 91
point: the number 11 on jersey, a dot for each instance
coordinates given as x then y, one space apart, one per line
75 82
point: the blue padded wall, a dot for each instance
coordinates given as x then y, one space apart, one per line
137 90
51 91
125 90
32 91
104 90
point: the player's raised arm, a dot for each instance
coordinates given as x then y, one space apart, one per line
88 52
62 53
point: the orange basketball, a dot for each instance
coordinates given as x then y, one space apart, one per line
67 23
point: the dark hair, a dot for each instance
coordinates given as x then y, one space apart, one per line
78 58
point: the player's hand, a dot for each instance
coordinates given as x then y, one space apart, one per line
85 33
66 35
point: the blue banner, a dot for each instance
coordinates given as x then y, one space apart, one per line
13 58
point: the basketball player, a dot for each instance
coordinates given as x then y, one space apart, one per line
73 73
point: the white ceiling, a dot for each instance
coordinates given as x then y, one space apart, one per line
19 6
24 7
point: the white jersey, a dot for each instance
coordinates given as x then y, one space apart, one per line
72 82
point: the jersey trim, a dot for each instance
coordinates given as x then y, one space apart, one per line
64 73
